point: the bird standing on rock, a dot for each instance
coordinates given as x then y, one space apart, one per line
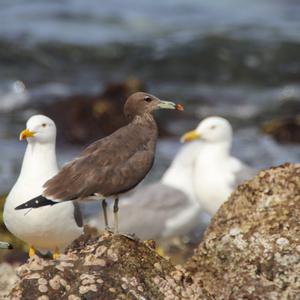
112 165
171 202
41 228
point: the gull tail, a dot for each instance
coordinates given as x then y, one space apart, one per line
36 202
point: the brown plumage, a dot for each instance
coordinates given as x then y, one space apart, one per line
112 165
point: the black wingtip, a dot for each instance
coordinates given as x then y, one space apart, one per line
35 203
5 245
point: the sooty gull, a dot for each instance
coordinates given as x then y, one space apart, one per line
167 208
46 228
112 165
217 173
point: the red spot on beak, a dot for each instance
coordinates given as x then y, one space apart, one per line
179 107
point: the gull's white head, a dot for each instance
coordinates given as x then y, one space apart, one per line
39 129
211 130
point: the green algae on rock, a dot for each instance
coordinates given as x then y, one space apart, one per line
251 249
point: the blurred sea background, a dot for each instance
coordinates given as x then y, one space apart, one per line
234 58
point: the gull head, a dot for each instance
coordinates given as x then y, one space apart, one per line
141 103
211 130
39 129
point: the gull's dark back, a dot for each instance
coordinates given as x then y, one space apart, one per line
109 166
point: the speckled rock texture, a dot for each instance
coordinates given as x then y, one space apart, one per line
107 267
251 249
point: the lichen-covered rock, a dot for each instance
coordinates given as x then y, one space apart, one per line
106 267
251 250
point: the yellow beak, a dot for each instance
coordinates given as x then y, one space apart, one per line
190 136
26 134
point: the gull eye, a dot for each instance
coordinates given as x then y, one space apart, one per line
147 98
44 125
213 127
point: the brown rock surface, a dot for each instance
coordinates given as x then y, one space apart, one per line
107 267
251 249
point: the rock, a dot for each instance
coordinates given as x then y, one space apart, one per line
82 119
284 130
106 267
251 248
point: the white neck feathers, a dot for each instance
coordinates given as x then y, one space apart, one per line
39 161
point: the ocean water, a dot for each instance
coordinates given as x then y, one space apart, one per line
161 41
234 58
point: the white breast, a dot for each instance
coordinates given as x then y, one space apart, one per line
214 177
47 227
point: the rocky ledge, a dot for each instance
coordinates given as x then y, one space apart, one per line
251 249
107 267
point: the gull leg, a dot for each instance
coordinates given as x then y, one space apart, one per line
116 216
104 208
116 222
56 253
31 251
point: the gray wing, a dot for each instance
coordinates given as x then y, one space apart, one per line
77 214
244 174
145 213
